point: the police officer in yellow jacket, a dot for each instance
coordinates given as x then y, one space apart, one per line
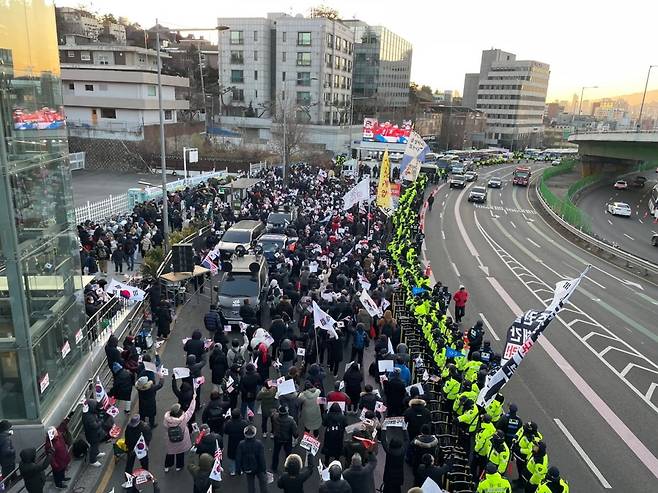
493 482
536 467
499 451
522 448
553 483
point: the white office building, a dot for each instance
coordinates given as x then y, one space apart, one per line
110 91
306 62
512 93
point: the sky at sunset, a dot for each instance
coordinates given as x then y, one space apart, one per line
586 43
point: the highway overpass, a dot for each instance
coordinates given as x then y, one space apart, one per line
615 151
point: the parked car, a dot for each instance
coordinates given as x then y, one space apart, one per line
478 194
639 181
471 176
555 162
654 240
620 185
619 209
495 182
457 181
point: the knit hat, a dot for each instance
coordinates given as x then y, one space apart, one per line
134 420
283 409
250 431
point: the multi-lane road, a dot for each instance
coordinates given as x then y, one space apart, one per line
632 234
591 382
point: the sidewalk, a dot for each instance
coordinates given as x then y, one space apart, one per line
190 317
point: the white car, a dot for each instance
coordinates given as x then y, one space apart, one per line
619 209
620 185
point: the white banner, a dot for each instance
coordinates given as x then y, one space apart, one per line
131 293
414 156
360 192
323 320
370 306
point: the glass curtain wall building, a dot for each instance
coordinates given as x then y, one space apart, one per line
41 309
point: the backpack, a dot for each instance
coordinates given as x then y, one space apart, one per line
359 339
175 434
102 253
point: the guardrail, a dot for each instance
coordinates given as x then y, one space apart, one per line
631 260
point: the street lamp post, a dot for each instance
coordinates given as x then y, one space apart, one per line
163 159
644 95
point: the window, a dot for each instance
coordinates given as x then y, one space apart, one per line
70 54
303 78
89 87
283 56
237 76
238 94
336 80
343 84
255 74
103 59
141 58
328 58
303 59
283 76
151 91
237 38
72 86
255 56
256 93
237 57
327 80
255 35
349 65
303 97
102 87
108 113
168 115
303 39
283 36
337 65
85 56
330 40
338 41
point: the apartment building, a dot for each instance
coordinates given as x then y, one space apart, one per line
512 93
303 65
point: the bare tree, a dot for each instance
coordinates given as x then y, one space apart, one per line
324 11
288 129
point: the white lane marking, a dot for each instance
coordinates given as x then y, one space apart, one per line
618 426
488 325
513 225
583 454
610 222
629 237
443 235
461 228
454 267
641 222
533 242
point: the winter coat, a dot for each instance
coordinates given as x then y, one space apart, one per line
335 349
218 365
394 468
268 400
171 421
7 452
361 478
213 415
208 443
295 484
234 430
249 386
334 426
147 398
368 400
278 329
250 447
284 427
212 321
395 392
201 474
423 444
416 416
32 473
185 394
353 380
132 434
61 457
311 416
113 353
92 424
122 387
338 486
195 347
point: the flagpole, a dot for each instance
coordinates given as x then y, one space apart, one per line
368 216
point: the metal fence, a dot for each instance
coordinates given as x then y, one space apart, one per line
103 209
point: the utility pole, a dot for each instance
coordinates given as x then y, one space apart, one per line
163 159
203 90
644 95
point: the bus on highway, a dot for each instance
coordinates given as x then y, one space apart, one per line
653 200
521 176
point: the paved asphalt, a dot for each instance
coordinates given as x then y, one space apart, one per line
632 234
590 384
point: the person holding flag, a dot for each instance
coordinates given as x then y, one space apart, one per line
201 475
137 436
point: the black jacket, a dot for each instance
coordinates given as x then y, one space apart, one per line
248 314
394 468
7 452
33 475
92 424
234 430
361 478
195 347
338 486
122 387
395 392
218 365
213 415
284 427
132 434
113 354
436 473
295 484
212 321
334 426
254 448
416 416
423 444
208 443
147 399
278 329
249 386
